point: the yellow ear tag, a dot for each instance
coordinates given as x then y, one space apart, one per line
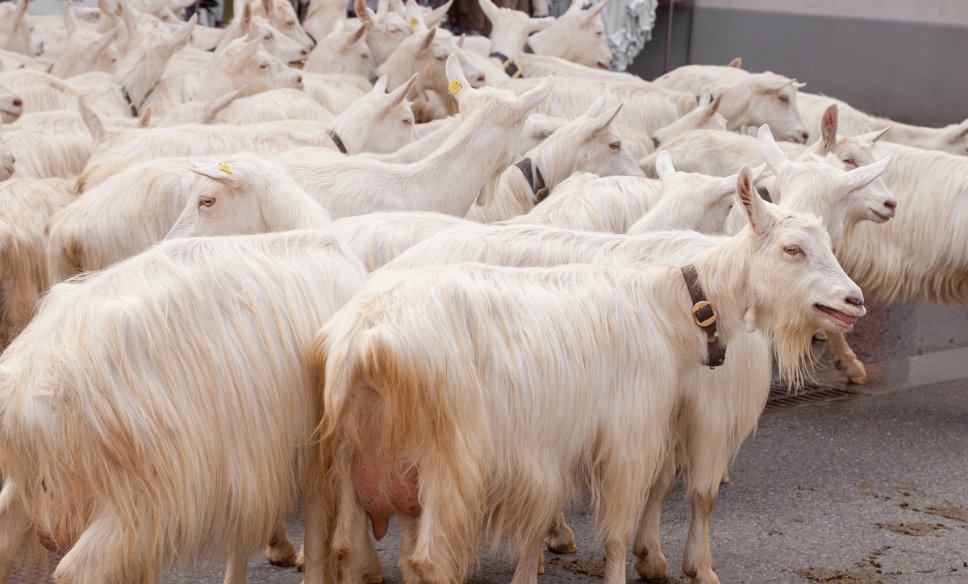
225 168
455 87
413 21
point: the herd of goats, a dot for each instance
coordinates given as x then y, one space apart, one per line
238 278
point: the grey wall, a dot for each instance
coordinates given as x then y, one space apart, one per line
911 72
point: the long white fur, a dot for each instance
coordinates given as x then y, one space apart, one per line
507 489
25 207
196 445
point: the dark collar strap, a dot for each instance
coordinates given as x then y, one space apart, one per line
337 141
533 175
705 317
527 48
131 105
510 67
764 194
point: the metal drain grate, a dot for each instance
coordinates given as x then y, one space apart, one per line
810 394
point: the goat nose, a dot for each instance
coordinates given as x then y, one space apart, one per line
806 136
17 102
481 78
299 80
890 204
855 300
304 53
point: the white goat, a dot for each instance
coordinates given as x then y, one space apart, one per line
492 121
236 422
341 51
952 138
86 50
136 208
115 152
508 464
590 143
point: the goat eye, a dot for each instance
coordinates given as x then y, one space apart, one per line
850 163
268 37
793 250
206 201
291 23
615 146
264 66
784 99
407 122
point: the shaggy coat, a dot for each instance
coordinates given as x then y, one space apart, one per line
183 372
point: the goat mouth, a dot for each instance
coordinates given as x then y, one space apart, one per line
840 320
297 64
882 217
604 66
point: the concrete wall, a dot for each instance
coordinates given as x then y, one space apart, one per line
900 59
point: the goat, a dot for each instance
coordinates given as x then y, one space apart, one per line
379 465
237 431
491 126
589 143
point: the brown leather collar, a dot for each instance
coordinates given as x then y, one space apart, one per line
534 178
509 64
705 317
337 141
764 194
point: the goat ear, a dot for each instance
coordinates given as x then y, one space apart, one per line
862 176
758 171
490 10
70 19
828 129
736 63
539 24
249 48
223 172
714 106
380 87
246 21
428 40
213 107
21 9
398 7
457 82
145 120
268 6
437 15
605 119
574 7
91 119
360 32
363 11
105 40
798 85
958 135
878 134
399 94
596 107
753 206
770 151
183 34
531 98
663 165
595 10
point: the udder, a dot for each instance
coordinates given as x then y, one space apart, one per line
383 494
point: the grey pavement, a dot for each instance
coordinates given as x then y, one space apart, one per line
868 490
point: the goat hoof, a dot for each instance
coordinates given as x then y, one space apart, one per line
652 567
560 538
282 554
706 576
854 370
562 542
